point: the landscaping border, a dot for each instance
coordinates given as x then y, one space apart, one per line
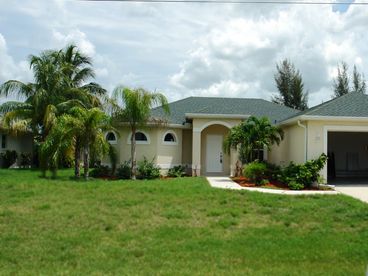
227 183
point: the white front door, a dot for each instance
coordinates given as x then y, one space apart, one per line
214 154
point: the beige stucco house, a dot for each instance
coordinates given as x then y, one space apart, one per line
194 133
197 126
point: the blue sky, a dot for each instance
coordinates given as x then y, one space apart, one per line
189 49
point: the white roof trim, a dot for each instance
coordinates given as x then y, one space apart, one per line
218 116
185 126
323 118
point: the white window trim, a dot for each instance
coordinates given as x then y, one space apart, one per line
116 138
175 143
139 142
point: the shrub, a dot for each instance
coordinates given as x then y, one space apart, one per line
304 174
264 182
25 159
255 171
177 171
148 170
273 171
293 185
100 171
124 171
8 158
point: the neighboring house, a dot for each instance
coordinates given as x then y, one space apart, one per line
21 144
194 133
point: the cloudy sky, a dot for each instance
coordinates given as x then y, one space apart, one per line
226 50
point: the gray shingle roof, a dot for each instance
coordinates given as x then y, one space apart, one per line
230 106
349 105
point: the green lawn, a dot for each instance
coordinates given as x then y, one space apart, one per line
168 227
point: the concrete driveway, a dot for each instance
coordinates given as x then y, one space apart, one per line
358 191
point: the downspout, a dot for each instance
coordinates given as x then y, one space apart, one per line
305 140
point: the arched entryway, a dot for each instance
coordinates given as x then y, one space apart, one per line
208 157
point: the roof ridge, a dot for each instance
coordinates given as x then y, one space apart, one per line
317 107
235 98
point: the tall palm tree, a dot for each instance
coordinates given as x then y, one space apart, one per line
253 135
85 126
134 108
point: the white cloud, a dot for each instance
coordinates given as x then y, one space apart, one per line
190 49
243 51
10 69
75 37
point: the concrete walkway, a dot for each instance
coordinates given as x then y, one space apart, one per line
224 182
356 191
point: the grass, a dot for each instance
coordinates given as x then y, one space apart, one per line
176 226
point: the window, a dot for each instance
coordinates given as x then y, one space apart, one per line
3 141
140 138
169 138
111 137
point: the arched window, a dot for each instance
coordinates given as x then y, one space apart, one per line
111 137
140 138
170 138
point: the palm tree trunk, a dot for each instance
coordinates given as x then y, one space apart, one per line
86 162
133 154
77 157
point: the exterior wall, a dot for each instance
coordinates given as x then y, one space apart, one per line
164 155
187 144
169 155
292 148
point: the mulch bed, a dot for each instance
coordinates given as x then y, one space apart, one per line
245 182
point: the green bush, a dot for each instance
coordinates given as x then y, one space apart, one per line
255 171
293 185
25 159
273 171
100 171
124 171
8 158
177 171
304 174
148 170
264 182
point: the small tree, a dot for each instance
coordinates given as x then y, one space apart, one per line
87 126
252 136
359 84
341 83
134 107
291 87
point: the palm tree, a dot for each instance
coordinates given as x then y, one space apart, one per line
83 126
253 135
60 82
134 107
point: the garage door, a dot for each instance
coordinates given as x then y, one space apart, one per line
348 155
